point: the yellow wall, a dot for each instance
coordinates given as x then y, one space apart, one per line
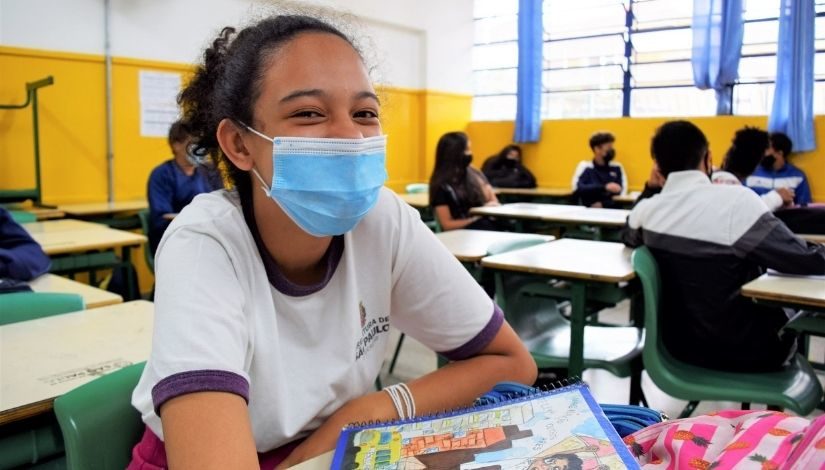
73 126
564 143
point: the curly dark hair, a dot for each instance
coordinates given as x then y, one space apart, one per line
228 82
746 151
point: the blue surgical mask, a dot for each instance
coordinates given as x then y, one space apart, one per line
326 186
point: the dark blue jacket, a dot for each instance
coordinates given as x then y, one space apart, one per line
21 257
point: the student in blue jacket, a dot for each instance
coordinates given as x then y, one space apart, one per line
596 181
21 258
174 183
776 173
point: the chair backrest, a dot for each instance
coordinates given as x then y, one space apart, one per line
23 217
147 249
98 422
658 361
22 306
415 188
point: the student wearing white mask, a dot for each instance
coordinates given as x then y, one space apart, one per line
274 300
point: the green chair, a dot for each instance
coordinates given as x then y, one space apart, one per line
795 388
98 422
22 306
147 250
415 188
23 217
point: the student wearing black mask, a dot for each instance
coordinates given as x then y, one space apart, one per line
506 169
456 187
596 181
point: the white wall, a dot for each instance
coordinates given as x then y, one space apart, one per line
413 43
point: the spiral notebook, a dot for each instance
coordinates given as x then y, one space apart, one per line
546 430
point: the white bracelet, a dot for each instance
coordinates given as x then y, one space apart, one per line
396 400
408 396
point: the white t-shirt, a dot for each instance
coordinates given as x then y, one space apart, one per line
227 320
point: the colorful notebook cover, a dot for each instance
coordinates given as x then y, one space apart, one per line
555 429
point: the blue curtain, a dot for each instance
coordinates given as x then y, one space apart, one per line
793 102
528 100
717 46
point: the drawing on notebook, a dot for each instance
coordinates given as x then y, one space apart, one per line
547 432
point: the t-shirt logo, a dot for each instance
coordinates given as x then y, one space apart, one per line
613 174
363 312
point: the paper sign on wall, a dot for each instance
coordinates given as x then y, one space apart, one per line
158 102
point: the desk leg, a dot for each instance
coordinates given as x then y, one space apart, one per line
577 318
130 281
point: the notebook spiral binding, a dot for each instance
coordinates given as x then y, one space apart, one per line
482 401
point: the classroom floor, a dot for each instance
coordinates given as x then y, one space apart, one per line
416 360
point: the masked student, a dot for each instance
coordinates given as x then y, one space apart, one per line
274 299
746 150
709 240
21 258
506 169
776 173
456 187
174 183
596 181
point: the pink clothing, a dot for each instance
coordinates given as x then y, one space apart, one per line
732 440
150 454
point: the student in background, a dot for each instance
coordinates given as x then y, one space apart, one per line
596 181
274 300
21 258
709 240
174 183
775 172
746 150
456 187
506 169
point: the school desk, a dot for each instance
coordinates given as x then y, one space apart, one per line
626 200
63 225
562 193
791 291
417 200
812 237
565 215
72 241
470 246
47 357
588 266
92 296
100 209
322 462
170 216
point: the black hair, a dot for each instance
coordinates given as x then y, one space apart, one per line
678 146
746 151
508 149
228 82
574 462
782 143
451 170
601 138
178 132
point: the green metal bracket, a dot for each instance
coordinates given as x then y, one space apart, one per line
31 99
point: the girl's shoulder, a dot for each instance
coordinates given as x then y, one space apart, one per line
217 214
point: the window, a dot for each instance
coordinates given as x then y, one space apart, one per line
605 58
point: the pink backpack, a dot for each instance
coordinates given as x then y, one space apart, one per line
766 440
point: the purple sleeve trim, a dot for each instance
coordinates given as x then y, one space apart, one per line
479 341
198 381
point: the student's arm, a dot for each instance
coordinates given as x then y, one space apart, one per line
21 257
802 193
773 200
631 234
446 220
529 178
456 385
208 430
490 198
771 244
590 186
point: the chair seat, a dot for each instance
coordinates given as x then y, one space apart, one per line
795 388
547 336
